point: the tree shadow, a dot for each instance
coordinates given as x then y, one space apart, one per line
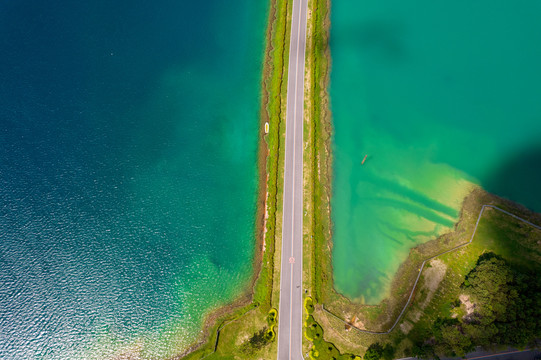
519 178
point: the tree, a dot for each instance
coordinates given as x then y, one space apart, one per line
507 311
422 350
456 340
490 285
374 352
388 352
489 277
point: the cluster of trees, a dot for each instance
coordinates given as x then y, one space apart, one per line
507 311
377 351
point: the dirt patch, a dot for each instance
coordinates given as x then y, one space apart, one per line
415 315
336 334
406 326
355 322
433 276
468 305
242 339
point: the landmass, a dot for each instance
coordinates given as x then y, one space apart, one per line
479 293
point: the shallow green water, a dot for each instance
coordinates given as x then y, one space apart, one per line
439 95
128 177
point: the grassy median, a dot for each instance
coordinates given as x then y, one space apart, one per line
319 128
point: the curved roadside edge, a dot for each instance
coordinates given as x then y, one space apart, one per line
318 229
423 265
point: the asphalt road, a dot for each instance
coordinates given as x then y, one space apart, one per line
290 309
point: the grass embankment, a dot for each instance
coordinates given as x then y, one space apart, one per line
512 239
497 232
273 112
437 288
246 329
319 129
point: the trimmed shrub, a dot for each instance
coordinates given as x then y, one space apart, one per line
271 317
308 305
270 335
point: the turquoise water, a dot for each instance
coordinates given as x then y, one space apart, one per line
440 96
128 179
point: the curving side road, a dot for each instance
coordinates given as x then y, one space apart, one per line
290 309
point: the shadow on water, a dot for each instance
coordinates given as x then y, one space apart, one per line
519 178
381 39
418 197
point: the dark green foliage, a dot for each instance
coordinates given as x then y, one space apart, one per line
422 351
388 352
490 283
454 342
377 351
506 298
507 311
258 340
374 352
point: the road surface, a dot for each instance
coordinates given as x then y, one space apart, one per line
290 310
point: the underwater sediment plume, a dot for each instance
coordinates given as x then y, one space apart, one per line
444 99
128 172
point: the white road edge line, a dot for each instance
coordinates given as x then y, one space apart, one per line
302 151
293 176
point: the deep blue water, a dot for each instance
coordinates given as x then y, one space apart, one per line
128 140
